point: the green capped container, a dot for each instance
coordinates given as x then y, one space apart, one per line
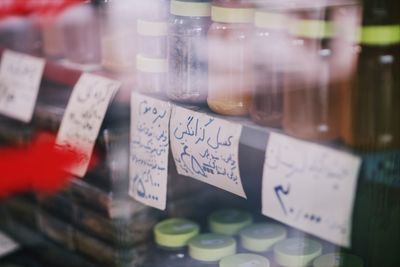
244 259
338 260
260 237
229 221
211 247
296 252
175 232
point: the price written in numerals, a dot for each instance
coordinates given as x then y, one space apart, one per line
206 149
149 150
310 187
84 115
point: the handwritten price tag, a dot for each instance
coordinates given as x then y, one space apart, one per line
20 77
7 245
206 149
310 187
149 150
84 115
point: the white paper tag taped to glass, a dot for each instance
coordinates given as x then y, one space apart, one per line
310 187
7 245
84 115
149 149
20 77
207 149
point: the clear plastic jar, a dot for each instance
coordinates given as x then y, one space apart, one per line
312 98
151 75
270 46
296 252
81 32
171 237
230 57
187 50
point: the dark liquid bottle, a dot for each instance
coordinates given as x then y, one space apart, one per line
372 98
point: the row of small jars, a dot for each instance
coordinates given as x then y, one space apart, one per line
235 240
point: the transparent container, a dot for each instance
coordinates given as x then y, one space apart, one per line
229 221
270 46
209 249
187 51
312 98
52 37
151 75
296 252
81 32
230 58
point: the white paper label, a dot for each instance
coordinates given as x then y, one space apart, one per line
20 77
206 148
149 150
310 187
7 245
84 115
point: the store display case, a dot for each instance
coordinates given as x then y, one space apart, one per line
243 133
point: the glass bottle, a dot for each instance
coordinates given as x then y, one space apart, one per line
171 237
312 100
229 221
230 57
151 75
270 47
260 237
187 50
81 33
373 95
296 252
244 259
208 249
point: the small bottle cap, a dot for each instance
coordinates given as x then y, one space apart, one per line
296 252
338 260
232 15
262 236
175 232
313 29
244 259
270 20
229 221
211 247
190 8
380 35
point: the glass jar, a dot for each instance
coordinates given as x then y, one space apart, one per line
187 50
260 237
151 75
244 259
296 252
371 98
229 221
81 33
270 46
230 57
209 249
312 99
171 237
338 260
152 28
52 37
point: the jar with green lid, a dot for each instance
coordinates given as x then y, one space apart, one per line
338 260
171 237
244 260
271 41
209 249
296 252
312 100
229 221
261 237
372 96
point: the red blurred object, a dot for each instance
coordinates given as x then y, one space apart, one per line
41 7
40 167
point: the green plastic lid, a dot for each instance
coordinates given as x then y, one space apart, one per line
244 260
229 221
296 252
261 237
175 232
211 247
338 260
